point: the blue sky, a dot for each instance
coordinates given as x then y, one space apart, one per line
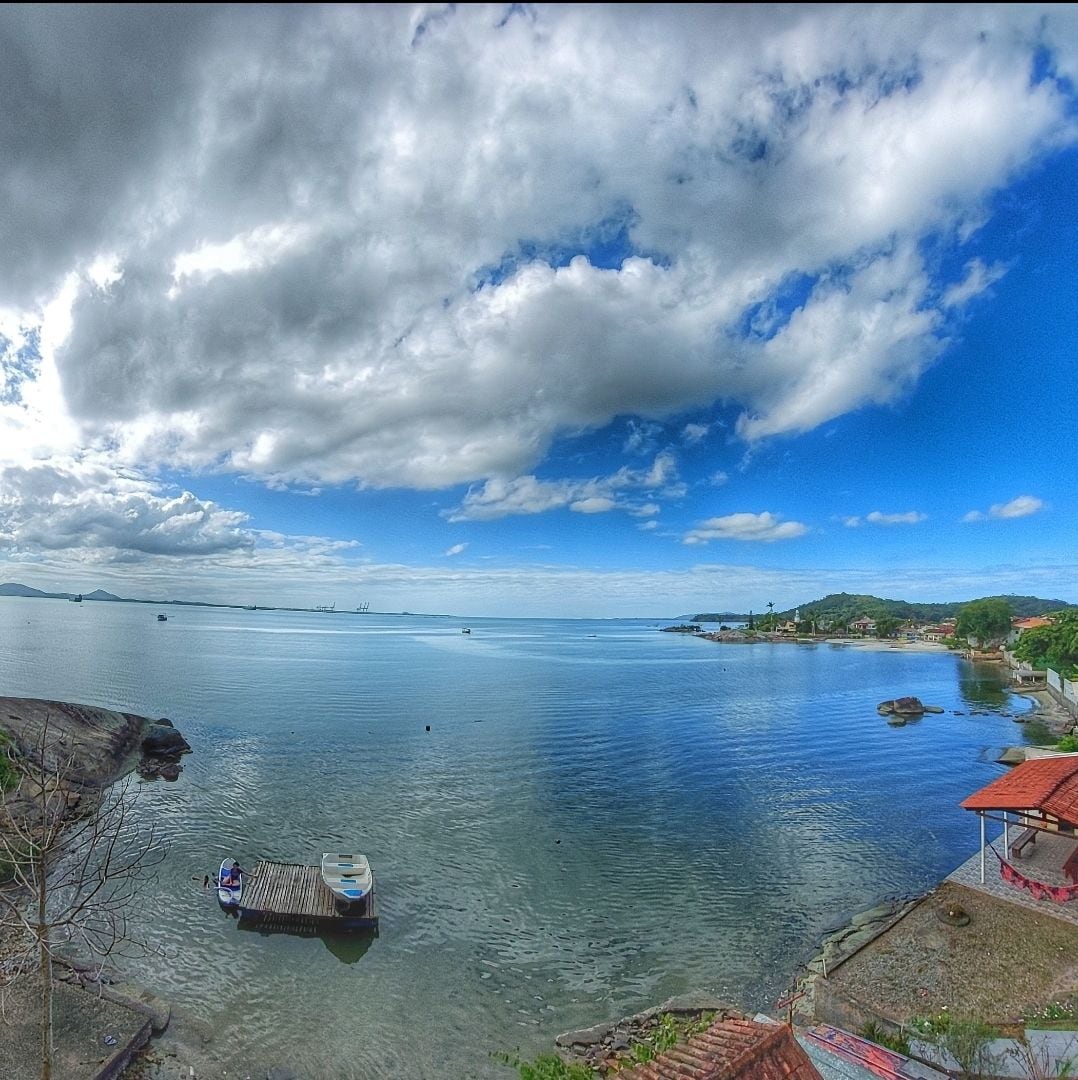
589 311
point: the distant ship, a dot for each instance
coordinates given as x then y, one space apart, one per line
162 618
77 599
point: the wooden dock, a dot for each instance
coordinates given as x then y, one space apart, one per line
292 896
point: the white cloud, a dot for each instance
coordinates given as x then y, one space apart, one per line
717 479
314 248
1019 507
1022 506
89 507
593 505
978 278
456 549
852 522
693 433
765 527
911 517
499 498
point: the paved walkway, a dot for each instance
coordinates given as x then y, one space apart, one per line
1043 864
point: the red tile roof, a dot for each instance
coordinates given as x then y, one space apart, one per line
731 1049
1048 784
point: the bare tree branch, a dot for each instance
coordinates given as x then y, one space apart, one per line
76 862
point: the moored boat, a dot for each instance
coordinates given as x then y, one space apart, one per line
348 877
229 884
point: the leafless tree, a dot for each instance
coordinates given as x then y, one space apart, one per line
75 860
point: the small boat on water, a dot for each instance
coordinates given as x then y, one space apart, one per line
229 884
466 630
348 877
162 618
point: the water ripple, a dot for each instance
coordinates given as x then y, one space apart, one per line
598 817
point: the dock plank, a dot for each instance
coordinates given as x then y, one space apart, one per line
295 893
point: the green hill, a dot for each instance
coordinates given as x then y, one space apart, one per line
841 608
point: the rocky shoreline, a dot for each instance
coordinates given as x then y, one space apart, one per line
75 753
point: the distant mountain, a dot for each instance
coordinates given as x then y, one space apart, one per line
841 608
13 588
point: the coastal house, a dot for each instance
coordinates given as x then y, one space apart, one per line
1019 626
935 633
863 625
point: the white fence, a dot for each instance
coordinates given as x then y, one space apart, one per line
1065 691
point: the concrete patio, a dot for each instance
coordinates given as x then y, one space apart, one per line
1042 861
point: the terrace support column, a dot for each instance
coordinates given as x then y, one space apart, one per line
981 816
1006 833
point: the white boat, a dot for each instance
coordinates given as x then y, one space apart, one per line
348 877
229 884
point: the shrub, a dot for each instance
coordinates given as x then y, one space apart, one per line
964 1038
1068 743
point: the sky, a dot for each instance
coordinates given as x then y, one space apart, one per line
546 311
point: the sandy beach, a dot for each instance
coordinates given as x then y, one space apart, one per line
875 645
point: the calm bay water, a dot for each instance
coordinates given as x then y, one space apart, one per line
601 815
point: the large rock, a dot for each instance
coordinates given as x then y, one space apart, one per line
86 748
91 747
163 740
905 706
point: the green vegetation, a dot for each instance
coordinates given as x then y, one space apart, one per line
1068 744
1054 646
664 1035
1059 1015
966 1039
899 1042
9 774
551 1067
988 621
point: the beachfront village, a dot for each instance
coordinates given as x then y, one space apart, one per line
977 977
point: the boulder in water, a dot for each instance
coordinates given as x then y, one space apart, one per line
163 740
905 706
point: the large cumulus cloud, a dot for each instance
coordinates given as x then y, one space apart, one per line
89 508
342 238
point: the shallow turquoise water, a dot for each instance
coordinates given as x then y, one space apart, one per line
601 815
